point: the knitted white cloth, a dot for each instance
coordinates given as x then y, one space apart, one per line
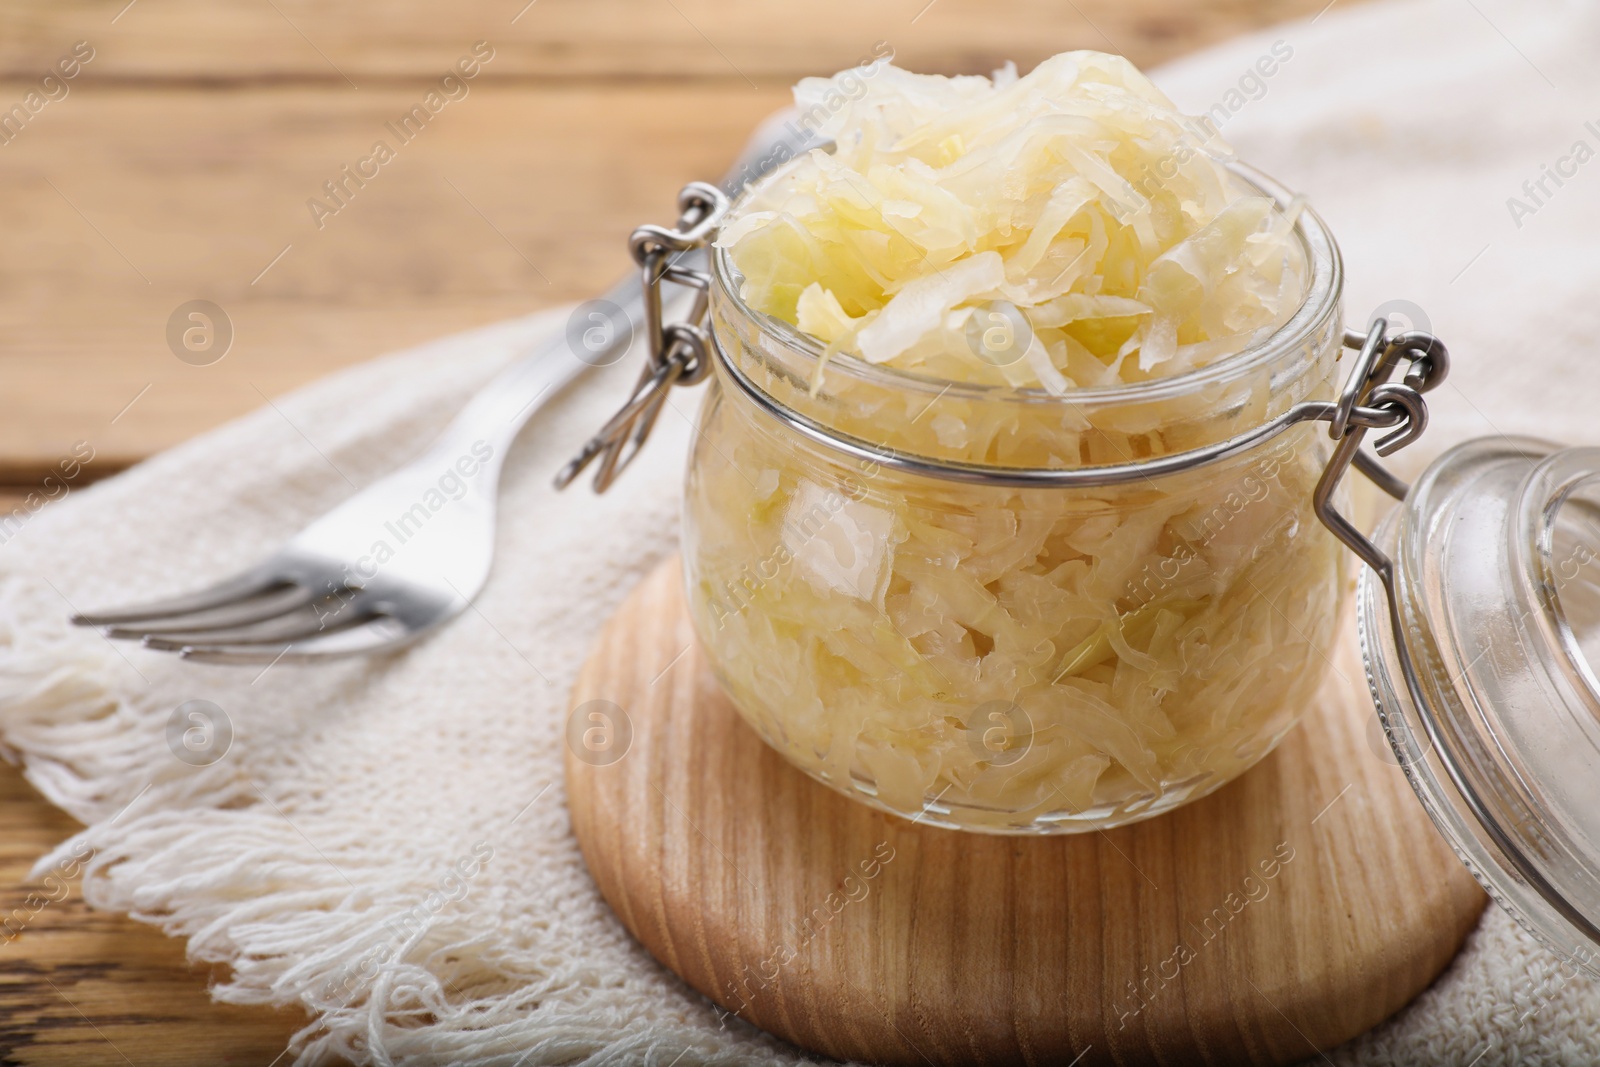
385 842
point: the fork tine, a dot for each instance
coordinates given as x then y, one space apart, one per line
284 629
249 583
377 634
258 608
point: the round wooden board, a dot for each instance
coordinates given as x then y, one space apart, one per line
1287 912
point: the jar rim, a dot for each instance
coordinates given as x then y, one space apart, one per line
1319 303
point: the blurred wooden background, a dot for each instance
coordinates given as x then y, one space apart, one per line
177 166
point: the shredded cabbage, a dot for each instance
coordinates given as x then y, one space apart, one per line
1005 659
1026 658
1078 195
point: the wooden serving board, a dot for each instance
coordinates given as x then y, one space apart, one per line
1289 911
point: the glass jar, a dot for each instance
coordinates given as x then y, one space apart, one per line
1478 607
895 603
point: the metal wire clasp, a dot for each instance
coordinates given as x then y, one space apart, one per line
1371 401
679 351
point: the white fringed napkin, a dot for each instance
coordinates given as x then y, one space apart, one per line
385 843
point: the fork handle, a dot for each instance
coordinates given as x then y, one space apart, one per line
497 413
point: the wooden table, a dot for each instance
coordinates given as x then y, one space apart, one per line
178 166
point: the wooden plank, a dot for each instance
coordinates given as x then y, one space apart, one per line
128 203
763 45
84 987
123 201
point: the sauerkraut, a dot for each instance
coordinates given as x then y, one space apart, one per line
1074 215
994 658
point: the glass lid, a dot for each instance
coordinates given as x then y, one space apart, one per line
1493 705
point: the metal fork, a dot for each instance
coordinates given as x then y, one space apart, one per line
326 593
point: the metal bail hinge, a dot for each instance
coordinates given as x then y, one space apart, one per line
1371 401
679 351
